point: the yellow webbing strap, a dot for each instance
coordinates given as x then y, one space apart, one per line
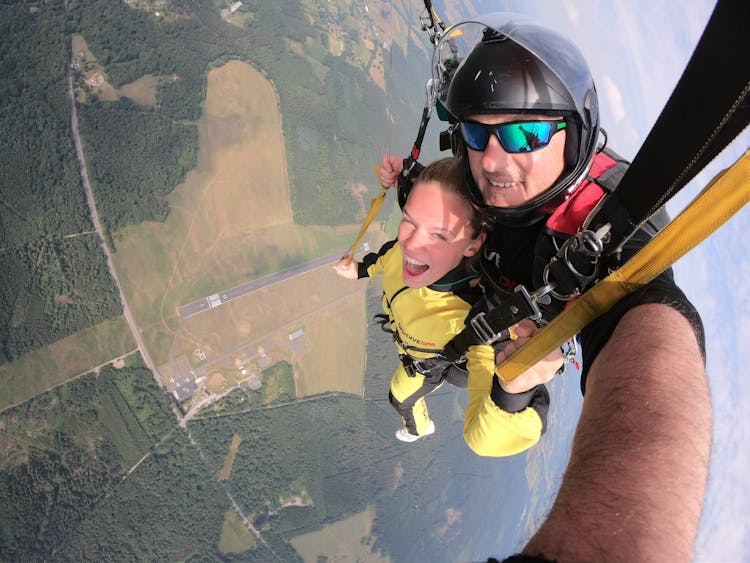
375 204
727 193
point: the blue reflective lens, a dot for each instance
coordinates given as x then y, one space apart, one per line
514 137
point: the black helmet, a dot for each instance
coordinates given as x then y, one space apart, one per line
515 66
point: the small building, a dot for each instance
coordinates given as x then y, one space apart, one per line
96 79
297 339
227 12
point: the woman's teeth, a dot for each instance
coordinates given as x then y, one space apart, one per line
414 267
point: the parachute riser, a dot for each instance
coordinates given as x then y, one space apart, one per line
434 26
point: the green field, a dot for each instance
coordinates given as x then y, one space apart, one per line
40 370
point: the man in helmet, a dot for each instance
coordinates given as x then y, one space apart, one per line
524 116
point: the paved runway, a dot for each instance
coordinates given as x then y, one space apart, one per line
227 295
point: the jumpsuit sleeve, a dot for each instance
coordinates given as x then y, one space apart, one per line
372 263
490 430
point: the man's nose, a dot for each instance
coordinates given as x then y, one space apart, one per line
494 156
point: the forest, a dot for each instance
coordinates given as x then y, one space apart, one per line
65 484
51 288
136 158
53 275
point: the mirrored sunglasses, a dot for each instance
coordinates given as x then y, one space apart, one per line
514 137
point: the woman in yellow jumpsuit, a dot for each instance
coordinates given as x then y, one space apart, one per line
429 286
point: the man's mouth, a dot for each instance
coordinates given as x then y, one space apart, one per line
414 267
495 184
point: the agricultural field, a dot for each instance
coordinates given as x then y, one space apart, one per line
350 538
231 221
75 355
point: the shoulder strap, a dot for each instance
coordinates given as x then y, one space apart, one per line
706 111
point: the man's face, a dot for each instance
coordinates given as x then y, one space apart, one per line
434 234
511 179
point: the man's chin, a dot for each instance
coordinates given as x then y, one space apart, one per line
503 197
503 202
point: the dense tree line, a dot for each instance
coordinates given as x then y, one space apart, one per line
169 506
136 157
51 288
72 467
40 190
68 496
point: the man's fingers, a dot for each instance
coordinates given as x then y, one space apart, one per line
525 328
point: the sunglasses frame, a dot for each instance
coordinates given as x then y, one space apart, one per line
493 129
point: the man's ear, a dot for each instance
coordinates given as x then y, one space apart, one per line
475 245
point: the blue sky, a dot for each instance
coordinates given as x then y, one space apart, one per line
637 51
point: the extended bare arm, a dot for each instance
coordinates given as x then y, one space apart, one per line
633 489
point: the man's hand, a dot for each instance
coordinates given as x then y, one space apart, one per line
347 268
542 372
390 168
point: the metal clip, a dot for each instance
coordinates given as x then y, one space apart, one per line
586 244
483 329
525 306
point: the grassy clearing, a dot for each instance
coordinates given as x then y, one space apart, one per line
142 91
226 470
279 382
250 189
347 540
70 357
339 333
235 537
80 48
230 221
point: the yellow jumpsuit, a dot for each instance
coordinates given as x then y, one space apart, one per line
423 321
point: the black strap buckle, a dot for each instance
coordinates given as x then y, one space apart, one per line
576 265
522 305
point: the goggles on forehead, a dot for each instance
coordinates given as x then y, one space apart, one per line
514 137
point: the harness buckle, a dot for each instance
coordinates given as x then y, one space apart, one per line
482 328
576 264
569 350
525 305
423 366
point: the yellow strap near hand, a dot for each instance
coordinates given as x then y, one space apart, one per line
727 193
375 205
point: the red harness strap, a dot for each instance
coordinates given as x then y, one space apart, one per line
569 216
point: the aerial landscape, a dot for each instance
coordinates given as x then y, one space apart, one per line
183 377
230 428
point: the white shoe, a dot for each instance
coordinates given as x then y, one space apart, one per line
405 436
